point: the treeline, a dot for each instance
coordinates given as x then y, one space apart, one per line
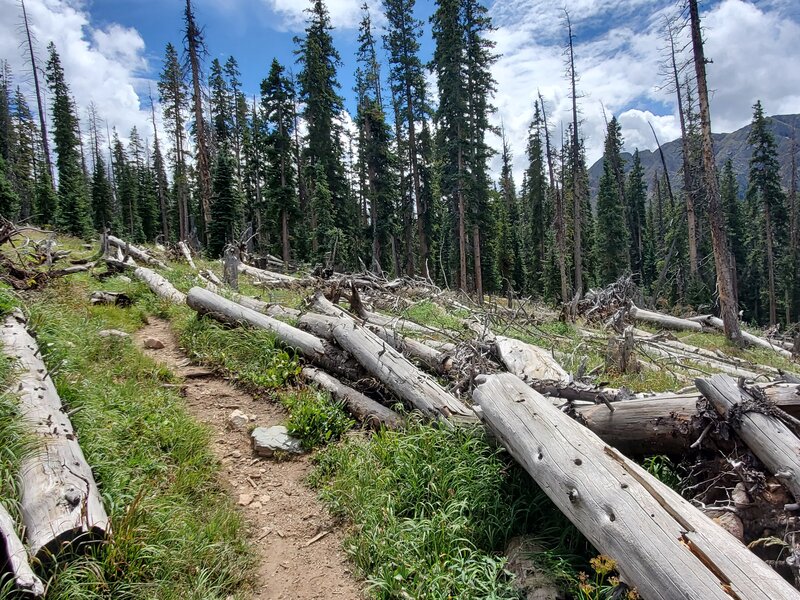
407 190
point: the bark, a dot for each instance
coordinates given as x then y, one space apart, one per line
159 285
663 546
727 300
273 310
14 560
462 226
313 349
577 205
363 408
273 278
60 502
231 267
662 320
476 251
135 252
392 369
767 436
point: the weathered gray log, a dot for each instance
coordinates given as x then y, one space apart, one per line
315 350
271 277
211 276
159 285
60 502
771 440
187 254
14 559
663 546
662 320
394 370
363 408
751 339
273 310
135 252
115 298
528 362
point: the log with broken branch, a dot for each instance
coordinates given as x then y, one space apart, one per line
748 337
315 350
392 369
662 545
363 408
759 426
60 503
136 253
14 560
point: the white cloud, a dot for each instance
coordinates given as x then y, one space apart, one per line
754 49
102 65
344 14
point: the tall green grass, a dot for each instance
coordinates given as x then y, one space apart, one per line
175 532
431 511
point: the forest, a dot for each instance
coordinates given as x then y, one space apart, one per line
408 189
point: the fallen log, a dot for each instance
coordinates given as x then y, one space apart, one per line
662 320
113 298
187 254
159 285
662 545
273 310
363 408
528 362
273 278
14 560
315 350
770 439
135 252
60 502
392 369
751 339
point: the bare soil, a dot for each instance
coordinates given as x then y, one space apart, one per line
298 546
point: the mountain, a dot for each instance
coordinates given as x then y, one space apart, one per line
726 145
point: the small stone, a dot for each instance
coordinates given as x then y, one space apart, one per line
237 420
732 524
113 333
153 343
236 454
268 440
740 497
256 505
245 499
264 499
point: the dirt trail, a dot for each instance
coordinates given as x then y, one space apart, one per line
283 514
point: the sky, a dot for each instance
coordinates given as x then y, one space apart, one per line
112 52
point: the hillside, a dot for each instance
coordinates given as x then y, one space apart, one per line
726 145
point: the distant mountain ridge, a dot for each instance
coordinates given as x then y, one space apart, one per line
726 145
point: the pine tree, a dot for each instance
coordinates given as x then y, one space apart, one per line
767 206
732 205
173 96
539 217
225 205
407 82
46 201
9 201
102 198
277 99
25 156
377 160
635 200
73 203
318 92
612 246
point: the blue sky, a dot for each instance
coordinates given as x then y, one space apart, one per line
112 52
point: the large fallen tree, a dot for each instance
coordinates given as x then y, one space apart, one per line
60 503
663 546
136 253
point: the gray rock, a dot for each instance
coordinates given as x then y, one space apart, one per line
269 440
237 420
124 279
113 333
153 343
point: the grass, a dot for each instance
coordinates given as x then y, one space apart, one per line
314 417
431 314
432 510
176 532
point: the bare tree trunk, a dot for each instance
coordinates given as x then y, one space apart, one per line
476 249
42 115
162 196
688 187
14 559
462 226
194 47
728 307
577 204
773 304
